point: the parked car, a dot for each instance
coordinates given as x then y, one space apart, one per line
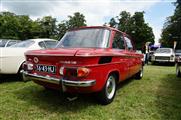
86 60
166 55
178 62
11 58
7 43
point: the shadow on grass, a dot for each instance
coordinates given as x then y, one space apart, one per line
9 78
55 101
163 64
169 98
52 100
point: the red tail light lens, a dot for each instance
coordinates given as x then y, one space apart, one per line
75 72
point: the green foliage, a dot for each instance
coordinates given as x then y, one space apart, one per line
156 96
75 21
172 28
8 25
135 26
21 27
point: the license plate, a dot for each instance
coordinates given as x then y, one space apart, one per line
46 68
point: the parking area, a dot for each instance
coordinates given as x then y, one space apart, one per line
156 96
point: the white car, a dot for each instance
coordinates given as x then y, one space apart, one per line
12 58
164 55
7 43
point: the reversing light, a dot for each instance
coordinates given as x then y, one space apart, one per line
62 71
29 66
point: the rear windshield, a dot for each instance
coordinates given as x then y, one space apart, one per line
24 44
93 37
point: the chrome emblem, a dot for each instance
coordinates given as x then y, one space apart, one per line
35 59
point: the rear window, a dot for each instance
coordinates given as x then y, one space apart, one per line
24 44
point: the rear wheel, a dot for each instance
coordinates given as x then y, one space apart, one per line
139 75
106 95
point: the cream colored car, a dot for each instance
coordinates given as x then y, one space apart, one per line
12 58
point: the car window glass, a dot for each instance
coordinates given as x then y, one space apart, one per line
24 44
89 37
118 41
3 43
42 44
11 43
163 50
128 43
50 44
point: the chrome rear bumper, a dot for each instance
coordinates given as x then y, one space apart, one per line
87 83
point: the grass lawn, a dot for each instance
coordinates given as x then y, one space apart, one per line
156 96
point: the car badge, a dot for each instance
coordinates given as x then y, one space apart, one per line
35 59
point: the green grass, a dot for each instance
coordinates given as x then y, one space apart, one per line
156 96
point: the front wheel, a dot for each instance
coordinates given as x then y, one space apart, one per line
106 95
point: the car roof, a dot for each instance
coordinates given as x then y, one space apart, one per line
106 27
42 39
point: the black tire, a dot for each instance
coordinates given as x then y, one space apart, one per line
178 73
153 62
107 94
172 64
19 74
139 75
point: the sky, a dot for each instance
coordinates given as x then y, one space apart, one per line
96 12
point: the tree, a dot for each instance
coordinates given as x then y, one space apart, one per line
62 28
172 28
112 22
140 31
24 25
135 26
48 27
75 21
8 25
14 26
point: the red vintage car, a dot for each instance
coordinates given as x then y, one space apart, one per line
86 60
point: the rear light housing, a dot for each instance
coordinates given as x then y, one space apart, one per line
74 72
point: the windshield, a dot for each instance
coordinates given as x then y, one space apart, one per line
94 37
24 44
163 50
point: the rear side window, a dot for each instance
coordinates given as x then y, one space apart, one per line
11 43
50 44
118 41
129 43
42 44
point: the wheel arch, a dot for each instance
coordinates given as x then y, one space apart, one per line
116 73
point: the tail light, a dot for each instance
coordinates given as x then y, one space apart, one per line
75 72
82 72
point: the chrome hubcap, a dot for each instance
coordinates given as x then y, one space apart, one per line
110 87
141 72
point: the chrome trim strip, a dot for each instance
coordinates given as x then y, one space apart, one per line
27 76
79 83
